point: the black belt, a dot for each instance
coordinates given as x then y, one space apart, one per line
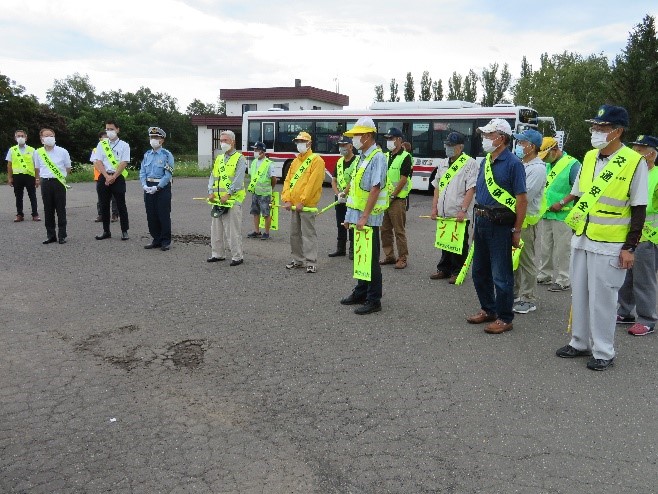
47 178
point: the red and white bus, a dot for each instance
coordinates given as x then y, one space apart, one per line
425 125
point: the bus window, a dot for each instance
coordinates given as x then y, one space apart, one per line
440 131
383 127
420 139
327 134
288 130
254 134
268 135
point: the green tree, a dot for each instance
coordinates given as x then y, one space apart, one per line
495 86
409 91
198 107
437 90
568 87
379 92
425 87
469 88
635 78
455 91
72 95
394 91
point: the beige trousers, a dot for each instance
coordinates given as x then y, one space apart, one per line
227 229
555 252
395 220
303 238
525 277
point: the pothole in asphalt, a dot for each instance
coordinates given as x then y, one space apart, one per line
192 238
188 354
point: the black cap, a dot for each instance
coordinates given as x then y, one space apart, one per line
259 145
344 140
610 115
644 140
393 132
454 138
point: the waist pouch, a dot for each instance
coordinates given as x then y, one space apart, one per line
498 215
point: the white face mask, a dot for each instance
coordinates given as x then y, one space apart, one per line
257 154
111 134
20 141
225 146
356 142
599 140
48 141
302 147
155 143
488 145
343 151
390 145
450 151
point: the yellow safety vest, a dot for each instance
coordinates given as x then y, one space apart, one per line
393 174
344 175
224 173
22 163
609 218
260 184
358 197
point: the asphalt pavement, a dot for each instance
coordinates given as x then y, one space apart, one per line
127 370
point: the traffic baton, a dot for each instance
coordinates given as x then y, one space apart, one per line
328 207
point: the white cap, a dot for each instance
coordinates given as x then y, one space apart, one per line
497 125
364 125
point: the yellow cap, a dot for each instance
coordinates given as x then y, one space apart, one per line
547 144
303 136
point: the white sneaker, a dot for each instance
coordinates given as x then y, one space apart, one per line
524 307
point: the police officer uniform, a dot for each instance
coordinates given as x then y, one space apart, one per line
155 176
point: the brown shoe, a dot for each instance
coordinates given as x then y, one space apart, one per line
453 279
498 327
115 218
401 263
18 218
384 262
36 218
480 317
439 275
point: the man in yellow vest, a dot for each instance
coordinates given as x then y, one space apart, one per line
366 202
226 193
261 186
20 175
638 293
561 170
454 189
340 183
115 212
302 189
399 185
607 220
528 144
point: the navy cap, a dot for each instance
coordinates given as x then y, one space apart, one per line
643 140
157 131
530 135
259 145
344 140
454 138
610 115
393 132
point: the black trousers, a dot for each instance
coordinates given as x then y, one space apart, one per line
452 263
105 193
341 210
53 195
23 181
372 290
158 215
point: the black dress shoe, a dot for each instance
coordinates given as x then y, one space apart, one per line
152 246
568 351
236 263
368 308
215 259
103 236
165 247
49 241
62 240
352 299
599 364
124 236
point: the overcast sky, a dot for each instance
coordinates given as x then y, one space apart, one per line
192 48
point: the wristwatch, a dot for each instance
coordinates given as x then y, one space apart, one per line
514 230
464 210
630 249
561 202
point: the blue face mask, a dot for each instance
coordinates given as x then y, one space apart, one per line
518 150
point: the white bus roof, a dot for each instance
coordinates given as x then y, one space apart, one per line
422 105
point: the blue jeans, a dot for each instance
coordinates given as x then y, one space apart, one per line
492 268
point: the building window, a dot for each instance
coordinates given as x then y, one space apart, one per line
317 107
249 107
282 106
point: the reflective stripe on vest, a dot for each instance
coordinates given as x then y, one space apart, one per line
53 167
344 175
452 171
300 171
393 175
497 192
22 163
109 154
603 212
557 187
358 197
261 183
224 173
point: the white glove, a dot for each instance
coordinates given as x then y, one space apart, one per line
341 198
146 188
153 190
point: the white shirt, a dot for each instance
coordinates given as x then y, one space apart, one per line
639 192
121 150
535 180
451 199
60 158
